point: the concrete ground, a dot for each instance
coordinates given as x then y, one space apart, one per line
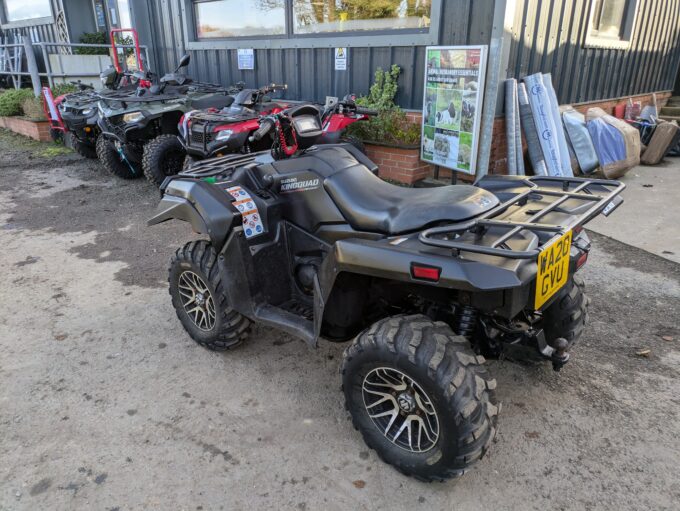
105 402
652 198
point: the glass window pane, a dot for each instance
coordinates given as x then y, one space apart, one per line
240 18
18 10
314 16
611 18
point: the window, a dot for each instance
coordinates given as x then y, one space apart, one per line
22 10
239 18
315 16
124 14
611 23
218 24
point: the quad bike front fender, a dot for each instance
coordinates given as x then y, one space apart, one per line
201 205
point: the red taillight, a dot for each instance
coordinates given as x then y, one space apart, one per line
581 260
422 272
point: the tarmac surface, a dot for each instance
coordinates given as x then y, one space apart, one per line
106 404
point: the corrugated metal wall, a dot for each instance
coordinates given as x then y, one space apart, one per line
548 36
310 73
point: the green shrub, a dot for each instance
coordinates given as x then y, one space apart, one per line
391 125
93 38
63 88
11 101
32 108
384 89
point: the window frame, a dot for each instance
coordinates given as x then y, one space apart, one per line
29 22
407 37
626 37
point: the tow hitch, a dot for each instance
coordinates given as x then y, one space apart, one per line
558 353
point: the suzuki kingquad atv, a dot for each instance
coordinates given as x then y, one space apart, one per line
130 119
426 283
79 111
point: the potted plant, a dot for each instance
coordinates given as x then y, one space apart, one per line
392 138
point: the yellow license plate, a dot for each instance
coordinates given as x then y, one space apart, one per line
553 269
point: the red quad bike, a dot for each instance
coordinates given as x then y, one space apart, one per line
210 133
423 283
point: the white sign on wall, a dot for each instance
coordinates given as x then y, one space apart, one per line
341 59
452 105
246 58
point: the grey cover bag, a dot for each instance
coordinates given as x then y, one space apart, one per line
579 137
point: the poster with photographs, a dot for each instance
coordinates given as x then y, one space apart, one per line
452 105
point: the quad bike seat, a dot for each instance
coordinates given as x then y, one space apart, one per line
371 204
212 102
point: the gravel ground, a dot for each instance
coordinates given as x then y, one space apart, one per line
105 402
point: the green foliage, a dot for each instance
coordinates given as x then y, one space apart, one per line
384 89
11 101
93 38
391 125
388 127
63 88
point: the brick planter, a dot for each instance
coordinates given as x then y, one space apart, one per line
37 130
401 164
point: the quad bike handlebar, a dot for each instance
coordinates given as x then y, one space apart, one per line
266 125
366 111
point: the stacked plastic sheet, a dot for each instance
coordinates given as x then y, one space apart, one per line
562 141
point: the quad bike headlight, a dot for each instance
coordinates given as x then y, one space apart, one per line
224 135
133 117
87 111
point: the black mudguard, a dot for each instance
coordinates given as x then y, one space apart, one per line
202 205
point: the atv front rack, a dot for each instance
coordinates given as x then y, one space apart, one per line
224 165
601 193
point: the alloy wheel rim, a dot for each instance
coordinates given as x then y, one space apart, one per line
197 300
400 409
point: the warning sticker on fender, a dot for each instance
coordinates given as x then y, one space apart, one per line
252 223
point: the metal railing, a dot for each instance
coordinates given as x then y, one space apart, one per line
49 72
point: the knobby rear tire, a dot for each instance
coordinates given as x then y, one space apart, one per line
567 316
452 376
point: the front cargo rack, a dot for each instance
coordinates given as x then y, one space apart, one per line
219 166
602 194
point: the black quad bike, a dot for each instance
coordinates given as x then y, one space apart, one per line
79 110
128 120
426 283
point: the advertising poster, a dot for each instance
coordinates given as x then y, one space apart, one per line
452 105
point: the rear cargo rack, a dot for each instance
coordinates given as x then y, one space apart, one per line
601 193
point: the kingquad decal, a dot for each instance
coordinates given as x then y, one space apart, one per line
293 185
252 223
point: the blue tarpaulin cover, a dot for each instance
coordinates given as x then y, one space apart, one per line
617 144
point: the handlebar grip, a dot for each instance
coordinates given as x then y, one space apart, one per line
366 111
262 130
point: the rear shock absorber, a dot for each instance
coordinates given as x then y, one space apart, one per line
465 320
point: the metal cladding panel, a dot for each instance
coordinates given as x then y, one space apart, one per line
548 36
310 72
